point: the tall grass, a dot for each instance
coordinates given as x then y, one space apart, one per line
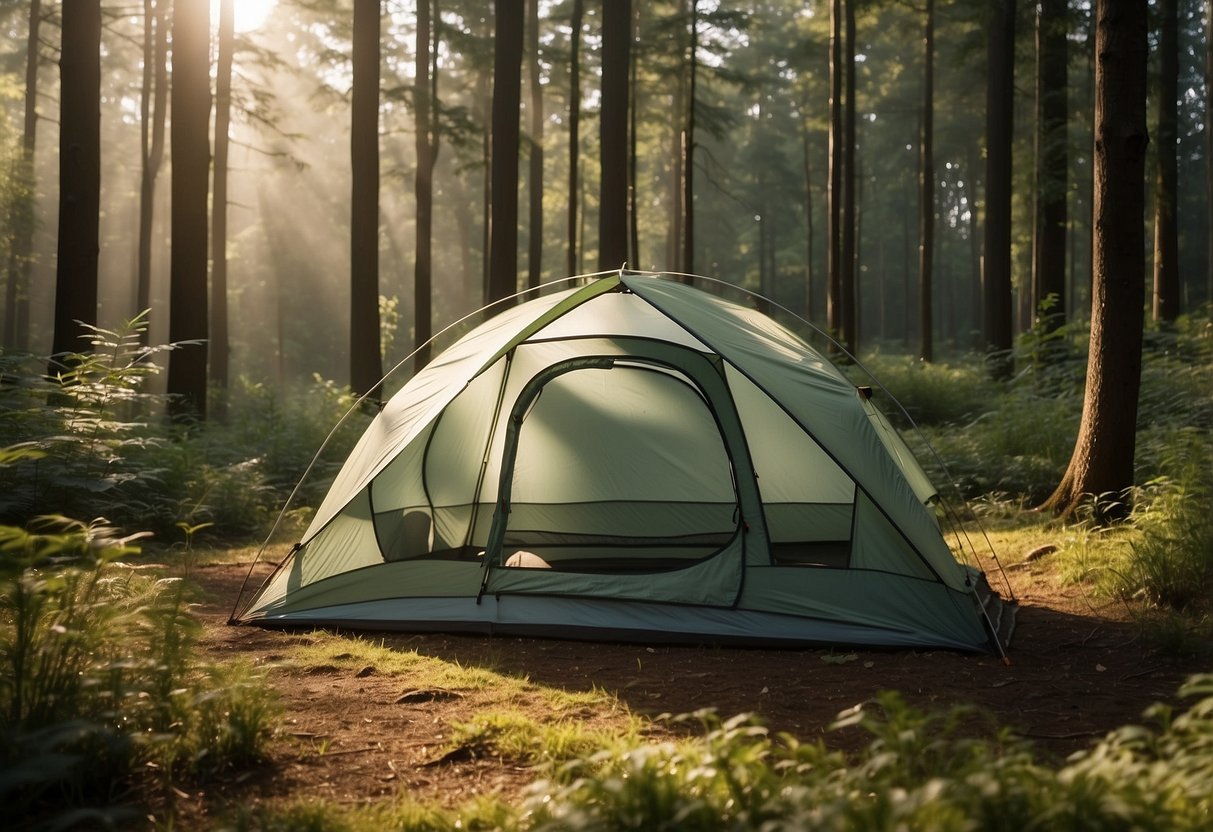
99 682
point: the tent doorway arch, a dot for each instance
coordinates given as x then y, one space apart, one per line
616 467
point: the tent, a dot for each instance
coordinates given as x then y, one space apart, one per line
636 459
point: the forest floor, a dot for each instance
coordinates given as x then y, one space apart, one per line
352 734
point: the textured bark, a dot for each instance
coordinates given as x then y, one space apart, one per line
571 260
1102 463
153 109
1208 7
1166 229
996 277
688 150
507 92
633 149
834 178
79 176
366 362
1052 112
220 348
535 146
613 134
806 150
926 194
427 151
21 213
191 103
850 215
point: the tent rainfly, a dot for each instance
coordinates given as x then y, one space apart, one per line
634 459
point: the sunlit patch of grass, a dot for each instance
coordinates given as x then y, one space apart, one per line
517 736
484 814
427 672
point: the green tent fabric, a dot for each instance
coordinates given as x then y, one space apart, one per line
633 458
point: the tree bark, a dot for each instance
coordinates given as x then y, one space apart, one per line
153 107
850 293
366 362
1102 463
1052 113
79 177
535 144
191 103
21 213
571 261
926 197
633 149
1208 7
613 133
996 277
1166 229
806 149
834 178
688 151
426 146
220 347
507 83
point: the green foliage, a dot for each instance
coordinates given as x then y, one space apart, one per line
72 441
917 772
1171 562
99 682
92 442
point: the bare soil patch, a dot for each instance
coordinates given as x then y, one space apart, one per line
1077 671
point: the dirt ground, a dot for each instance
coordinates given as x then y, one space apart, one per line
1078 669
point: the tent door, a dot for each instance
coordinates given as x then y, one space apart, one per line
620 478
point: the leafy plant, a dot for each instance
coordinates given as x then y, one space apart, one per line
99 678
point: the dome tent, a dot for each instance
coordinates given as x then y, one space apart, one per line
637 459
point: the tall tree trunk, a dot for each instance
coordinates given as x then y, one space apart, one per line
1166 230
850 293
366 362
191 103
688 151
674 234
806 148
976 299
926 196
834 188
153 109
996 278
535 143
571 259
613 133
1102 464
21 213
507 93
220 347
79 177
633 194
426 145
1052 112
1208 7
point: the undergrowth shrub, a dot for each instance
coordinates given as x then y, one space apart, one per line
917 772
99 681
1170 563
93 441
